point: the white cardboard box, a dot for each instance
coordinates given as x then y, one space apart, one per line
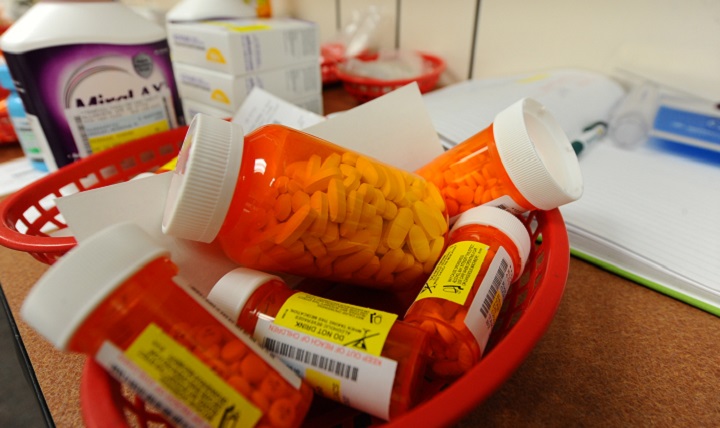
312 103
227 92
241 46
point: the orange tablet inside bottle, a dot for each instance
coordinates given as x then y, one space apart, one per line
282 200
358 356
117 298
460 302
522 162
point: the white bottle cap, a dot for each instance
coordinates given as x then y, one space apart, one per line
537 155
501 220
204 179
197 10
234 289
77 283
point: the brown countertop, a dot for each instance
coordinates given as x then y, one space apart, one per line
616 354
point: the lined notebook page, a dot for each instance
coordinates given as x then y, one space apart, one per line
659 206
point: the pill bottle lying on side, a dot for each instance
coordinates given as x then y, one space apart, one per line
522 162
361 357
116 298
460 302
281 200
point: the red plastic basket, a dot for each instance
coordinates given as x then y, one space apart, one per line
527 312
29 216
365 88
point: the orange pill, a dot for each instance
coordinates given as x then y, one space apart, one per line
336 200
206 336
319 203
314 245
283 207
399 228
332 161
321 179
233 351
312 166
282 413
299 200
296 226
281 184
465 195
370 268
240 384
348 264
332 233
254 369
389 263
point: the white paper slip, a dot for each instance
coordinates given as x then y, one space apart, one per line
262 108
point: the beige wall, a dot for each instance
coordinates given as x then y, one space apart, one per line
674 41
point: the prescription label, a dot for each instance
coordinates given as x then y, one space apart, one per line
341 373
455 272
162 361
353 326
488 300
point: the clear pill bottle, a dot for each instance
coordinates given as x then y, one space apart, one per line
361 357
522 162
460 302
117 297
281 200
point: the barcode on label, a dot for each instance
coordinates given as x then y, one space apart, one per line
499 275
174 418
318 361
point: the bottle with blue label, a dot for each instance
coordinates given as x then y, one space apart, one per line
16 111
92 75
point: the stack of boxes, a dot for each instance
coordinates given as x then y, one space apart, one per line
218 62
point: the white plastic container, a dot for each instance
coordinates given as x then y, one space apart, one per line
92 75
196 10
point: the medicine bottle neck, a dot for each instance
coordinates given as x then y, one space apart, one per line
267 300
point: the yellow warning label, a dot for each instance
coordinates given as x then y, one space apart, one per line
239 28
348 325
327 386
189 380
104 142
455 273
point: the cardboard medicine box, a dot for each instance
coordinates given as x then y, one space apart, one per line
227 92
241 46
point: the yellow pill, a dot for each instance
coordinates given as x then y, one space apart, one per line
352 218
407 261
336 200
343 247
367 171
368 213
299 200
441 220
312 166
346 265
436 247
283 207
402 180
349 158
436 197
399 228
298 223
370 268
314 245
319 203
321 179
418 243
382 173
423 216
332 233
390 211
378 200
295 168
366 192
409 277
389 263
391 188
332 161
324 263
351 177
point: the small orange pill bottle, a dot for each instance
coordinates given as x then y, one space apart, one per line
117 298
460 302
280 200
522 162
361 357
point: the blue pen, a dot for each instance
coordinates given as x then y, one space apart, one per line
590 134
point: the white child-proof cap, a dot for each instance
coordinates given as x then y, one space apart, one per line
204 179
501 220
232 291
537 155
77 283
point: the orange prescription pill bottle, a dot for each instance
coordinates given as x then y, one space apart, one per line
281 200
460 302
361 357
116 297
522 162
